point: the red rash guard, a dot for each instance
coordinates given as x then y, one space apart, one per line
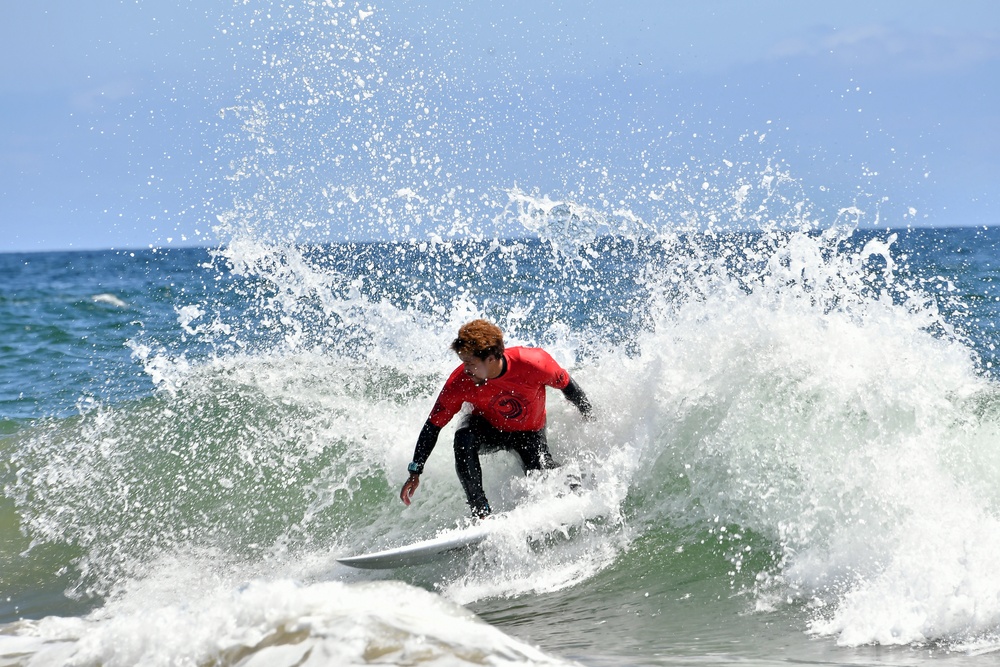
515 401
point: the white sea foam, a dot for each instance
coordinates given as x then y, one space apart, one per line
806 407
109 299
274 623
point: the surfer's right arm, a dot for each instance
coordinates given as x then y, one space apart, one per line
425 445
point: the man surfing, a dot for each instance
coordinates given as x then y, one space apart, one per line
506 388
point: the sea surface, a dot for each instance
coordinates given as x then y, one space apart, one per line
795 457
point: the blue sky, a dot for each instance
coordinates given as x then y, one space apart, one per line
113 136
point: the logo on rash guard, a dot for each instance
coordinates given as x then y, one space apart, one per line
509 406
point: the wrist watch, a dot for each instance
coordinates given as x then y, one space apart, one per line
415 468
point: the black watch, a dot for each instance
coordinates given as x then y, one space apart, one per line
415 468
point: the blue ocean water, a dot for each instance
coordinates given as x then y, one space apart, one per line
795 456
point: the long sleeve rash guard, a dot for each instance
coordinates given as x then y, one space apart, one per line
515 401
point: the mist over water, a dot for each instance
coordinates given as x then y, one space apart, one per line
797 409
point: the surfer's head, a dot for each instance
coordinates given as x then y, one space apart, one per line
480 339
480 347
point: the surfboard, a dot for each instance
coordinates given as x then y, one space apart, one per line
424 551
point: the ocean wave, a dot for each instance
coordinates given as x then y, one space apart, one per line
275 623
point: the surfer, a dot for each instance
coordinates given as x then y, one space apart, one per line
506 388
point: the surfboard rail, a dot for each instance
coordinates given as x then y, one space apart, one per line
420 552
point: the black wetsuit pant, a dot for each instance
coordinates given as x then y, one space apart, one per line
477 436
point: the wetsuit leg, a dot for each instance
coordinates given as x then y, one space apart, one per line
533 448
469 439
475 436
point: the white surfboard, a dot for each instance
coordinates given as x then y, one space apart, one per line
420 552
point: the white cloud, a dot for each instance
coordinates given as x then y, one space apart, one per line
888 48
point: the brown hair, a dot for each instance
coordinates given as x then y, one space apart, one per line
479 338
